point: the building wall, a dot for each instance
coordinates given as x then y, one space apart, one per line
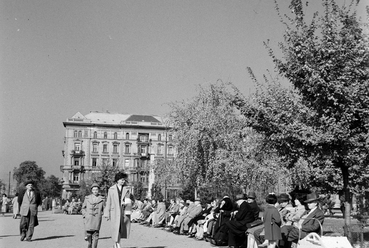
85 143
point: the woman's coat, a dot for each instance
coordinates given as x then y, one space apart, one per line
272 223
113 210
92 212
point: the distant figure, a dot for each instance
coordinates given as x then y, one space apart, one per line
15 206
92 212
272 223
29 200
4 204
53 205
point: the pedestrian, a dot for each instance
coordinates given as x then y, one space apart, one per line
114 209
4 204
272 223
29 200
92 212
53 205
15 206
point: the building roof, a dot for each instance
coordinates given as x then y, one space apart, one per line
107 118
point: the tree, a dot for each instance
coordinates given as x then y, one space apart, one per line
105 176
214 147
326 61
52 187
29 170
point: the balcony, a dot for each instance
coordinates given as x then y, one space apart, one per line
77 153
145 155
78 167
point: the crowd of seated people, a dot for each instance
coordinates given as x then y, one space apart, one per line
225 222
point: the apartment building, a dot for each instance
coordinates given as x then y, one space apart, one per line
126 141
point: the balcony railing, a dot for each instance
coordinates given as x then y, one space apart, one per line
77 153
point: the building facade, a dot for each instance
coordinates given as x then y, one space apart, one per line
129 142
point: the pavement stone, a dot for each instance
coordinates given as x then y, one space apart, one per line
66 231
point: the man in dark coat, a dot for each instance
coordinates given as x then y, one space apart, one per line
311 221
237 226
29 200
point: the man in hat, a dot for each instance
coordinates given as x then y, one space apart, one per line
28 200
311 221
251 200
237 226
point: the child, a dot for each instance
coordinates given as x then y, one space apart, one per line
272 223
92 212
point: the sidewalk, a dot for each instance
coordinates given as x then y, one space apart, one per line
64 231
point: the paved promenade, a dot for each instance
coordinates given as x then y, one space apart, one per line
60 230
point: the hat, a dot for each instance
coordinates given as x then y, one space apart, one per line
95 185
240 197
251 195
29 182
283 198
311 197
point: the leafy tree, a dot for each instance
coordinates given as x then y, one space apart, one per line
29 170
139 190
52 187
105 176
215 148
326 60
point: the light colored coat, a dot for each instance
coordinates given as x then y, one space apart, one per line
113 210
92 212
29 205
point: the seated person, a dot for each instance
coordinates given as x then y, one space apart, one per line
246 213
159 214
147 210
311 221
137 210
191 214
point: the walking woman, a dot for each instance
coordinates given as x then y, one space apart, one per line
15 206
115 209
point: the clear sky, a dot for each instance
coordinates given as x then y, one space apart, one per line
61 57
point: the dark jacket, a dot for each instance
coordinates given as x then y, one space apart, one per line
245 214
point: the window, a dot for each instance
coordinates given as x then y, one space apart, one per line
160 149
95 135
115 148
105 148
170 137
105 135
143 150
86 134
115 135
75 134
114 162
126 163
127 136
77 146
79 134
76 162
75 177
159 137
170 150
94 162
127 149
94 147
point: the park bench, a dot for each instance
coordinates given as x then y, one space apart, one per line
312 240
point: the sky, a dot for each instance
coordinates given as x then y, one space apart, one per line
134 57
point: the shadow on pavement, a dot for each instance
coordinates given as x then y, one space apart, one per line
53 237
4 236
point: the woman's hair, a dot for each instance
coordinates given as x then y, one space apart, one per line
271 199
120 175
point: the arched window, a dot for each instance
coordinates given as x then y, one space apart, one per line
170 137
127 136
75 134
159 137
115 135
105 135
95 135
79 134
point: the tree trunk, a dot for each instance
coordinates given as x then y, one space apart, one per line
347 214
